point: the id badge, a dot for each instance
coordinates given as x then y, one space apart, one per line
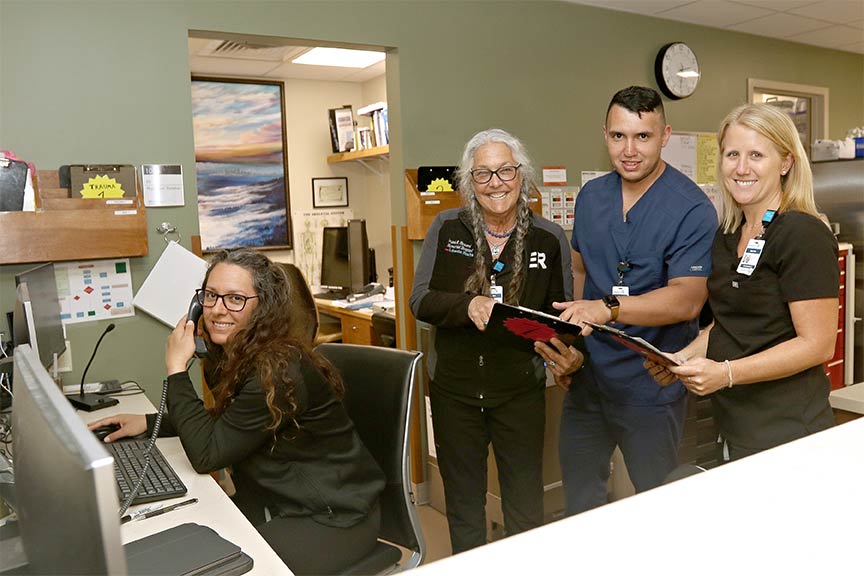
751 256
497 293
620 290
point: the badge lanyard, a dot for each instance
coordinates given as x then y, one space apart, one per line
754 248
497 292
622 289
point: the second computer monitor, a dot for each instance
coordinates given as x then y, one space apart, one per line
37 319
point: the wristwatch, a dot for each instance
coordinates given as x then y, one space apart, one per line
613 304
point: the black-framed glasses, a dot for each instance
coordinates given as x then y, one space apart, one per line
232 302
504 173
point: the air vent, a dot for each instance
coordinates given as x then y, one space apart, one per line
248 50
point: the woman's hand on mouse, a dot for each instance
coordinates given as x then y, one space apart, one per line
129 425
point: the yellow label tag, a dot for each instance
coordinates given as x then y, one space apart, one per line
102 187
440 185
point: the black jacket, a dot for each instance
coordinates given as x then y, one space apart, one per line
465 363
315 465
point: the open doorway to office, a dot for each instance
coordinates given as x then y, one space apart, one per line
806 105
309 93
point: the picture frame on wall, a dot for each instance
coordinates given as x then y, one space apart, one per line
329 192
241 163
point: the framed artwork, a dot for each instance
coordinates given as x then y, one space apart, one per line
329 192
241 163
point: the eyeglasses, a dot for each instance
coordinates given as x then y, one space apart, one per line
505 174
232 302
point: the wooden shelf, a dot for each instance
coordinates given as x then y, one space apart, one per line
422 207
66 228
380 152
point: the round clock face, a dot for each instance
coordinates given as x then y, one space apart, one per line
677 70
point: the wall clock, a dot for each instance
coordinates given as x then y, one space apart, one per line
677 70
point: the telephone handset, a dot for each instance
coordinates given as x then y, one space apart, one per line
195 311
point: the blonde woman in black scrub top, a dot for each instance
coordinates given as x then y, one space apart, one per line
773 291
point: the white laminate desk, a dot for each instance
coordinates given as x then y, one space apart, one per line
795 509
214 508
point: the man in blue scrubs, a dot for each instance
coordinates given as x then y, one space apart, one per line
641 255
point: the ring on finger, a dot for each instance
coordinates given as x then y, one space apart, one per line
552 363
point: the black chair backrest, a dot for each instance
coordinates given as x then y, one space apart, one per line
304 314
379 384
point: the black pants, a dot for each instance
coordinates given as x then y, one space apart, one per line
462 436
308 547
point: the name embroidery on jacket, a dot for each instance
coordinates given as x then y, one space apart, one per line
459 247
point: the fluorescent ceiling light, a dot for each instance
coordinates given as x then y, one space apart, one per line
339 57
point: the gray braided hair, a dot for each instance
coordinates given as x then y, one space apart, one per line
478 282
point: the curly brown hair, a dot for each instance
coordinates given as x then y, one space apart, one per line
266 347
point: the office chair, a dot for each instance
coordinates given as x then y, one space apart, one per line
308 327
384 329
379 389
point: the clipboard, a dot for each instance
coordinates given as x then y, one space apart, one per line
436 179
520 327
103 180
13 182
636 344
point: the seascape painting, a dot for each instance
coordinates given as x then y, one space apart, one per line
241 164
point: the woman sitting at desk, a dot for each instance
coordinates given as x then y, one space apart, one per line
303 477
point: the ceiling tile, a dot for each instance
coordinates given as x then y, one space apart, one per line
779 5
716 13
838 11
832 36
648 7
779 25
200 65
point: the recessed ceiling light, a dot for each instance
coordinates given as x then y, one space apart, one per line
339 57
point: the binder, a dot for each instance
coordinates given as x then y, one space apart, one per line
13 181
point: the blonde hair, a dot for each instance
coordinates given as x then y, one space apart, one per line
797 184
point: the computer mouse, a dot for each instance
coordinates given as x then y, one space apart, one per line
102 431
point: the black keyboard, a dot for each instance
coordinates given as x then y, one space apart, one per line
161 481
329 296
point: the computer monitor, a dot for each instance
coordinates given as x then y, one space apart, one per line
345 258
37 313
335 266
66 495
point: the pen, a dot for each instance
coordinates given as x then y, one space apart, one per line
168 508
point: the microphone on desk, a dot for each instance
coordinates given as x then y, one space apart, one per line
91 402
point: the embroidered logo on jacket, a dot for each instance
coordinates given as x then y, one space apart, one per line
537 260
459 247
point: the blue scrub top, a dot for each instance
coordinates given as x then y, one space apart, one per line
667 234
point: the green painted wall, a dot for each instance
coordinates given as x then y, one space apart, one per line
93 81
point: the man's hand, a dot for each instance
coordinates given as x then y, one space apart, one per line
582 311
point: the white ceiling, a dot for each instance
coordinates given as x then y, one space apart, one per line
266 58
837 24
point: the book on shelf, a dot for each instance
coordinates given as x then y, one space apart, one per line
636 344
520 327
368 110
342 123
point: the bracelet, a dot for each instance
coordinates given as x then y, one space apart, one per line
729 370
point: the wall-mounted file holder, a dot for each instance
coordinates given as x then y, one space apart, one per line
64 228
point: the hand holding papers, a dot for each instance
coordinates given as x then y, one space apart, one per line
520 327
636 344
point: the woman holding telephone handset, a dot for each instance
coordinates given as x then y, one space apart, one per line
773 291
303 477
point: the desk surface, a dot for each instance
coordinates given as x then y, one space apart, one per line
849 398
790 510
214 508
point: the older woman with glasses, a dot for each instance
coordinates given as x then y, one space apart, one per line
494 248
302 475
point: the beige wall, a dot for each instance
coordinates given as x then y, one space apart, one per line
94 81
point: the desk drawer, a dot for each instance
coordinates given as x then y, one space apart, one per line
356 331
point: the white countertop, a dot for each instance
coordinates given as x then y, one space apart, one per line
849 398
795 509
